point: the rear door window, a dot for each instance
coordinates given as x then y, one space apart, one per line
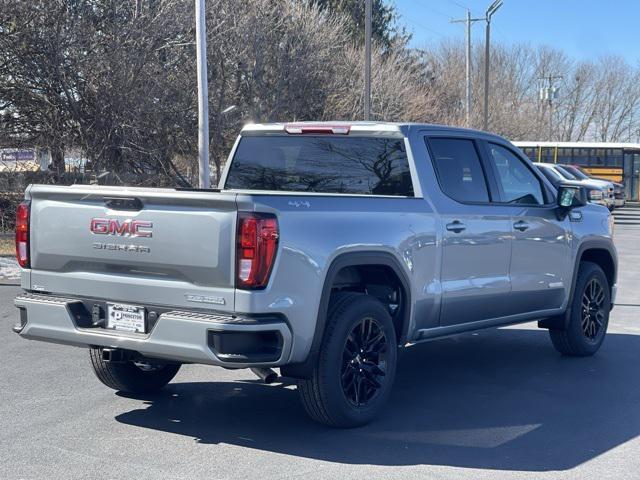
323 163
458 168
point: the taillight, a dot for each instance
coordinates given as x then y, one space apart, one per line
22 234
257 245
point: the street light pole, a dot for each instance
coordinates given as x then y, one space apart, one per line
204 176
368 7
487 49
487 46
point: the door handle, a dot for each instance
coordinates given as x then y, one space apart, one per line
522 226
456 226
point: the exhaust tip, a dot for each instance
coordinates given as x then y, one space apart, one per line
267 375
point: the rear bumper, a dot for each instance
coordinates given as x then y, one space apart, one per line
177 335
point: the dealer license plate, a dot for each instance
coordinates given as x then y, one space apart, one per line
128 318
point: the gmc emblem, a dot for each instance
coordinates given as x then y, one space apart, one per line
124 228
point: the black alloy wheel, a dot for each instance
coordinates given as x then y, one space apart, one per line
356 364
364 362
584 326
593 309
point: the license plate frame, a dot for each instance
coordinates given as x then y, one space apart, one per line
124 317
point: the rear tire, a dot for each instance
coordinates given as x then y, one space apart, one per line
356 366
131 377
589 316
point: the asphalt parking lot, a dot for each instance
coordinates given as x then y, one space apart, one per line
494 404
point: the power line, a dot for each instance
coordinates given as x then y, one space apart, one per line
501 33
459 4
419 25
426 6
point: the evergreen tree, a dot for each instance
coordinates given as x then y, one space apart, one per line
384 26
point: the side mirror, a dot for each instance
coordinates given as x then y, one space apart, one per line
570 196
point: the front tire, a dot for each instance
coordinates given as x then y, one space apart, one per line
356 366
589 315
132 377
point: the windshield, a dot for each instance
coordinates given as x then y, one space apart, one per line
553 176
565 173
576 171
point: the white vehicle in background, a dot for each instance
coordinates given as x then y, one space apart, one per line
607 185
597 192
619 199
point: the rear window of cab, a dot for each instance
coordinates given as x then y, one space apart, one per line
323 164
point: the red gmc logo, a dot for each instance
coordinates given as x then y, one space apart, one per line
124 228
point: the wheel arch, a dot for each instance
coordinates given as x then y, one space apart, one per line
601 252
343 266
604 260
598 251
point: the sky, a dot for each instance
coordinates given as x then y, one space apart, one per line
584 29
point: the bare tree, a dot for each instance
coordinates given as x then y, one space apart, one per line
598 100
115 79
617 97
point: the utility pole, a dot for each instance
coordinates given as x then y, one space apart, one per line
368 7
203 96
493 8
468 61
549 94
469 21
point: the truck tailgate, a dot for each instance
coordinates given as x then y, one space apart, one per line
146 246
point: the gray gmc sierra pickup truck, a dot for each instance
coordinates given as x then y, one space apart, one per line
326 247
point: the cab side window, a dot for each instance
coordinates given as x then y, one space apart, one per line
459 170
518 184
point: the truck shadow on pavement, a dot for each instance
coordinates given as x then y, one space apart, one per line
497 399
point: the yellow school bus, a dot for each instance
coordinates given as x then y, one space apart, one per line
618 162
